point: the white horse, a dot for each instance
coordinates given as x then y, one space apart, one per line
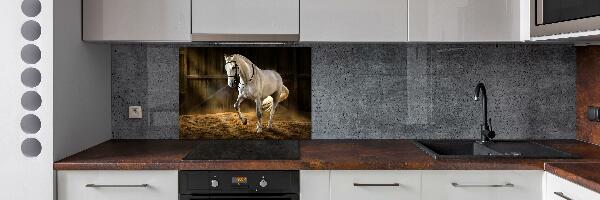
265 87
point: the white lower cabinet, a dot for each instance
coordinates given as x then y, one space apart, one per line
560 189
341 185
482 185
375 185
314 184
117 185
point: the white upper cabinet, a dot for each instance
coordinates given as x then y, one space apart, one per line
136 20
354 20
245 20
307 20
468 20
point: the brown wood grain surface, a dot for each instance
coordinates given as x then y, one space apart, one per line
584 174
314 154
588 92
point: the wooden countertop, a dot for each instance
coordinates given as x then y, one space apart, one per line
314 154
331 155
584 174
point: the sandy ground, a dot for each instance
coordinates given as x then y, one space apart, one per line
228 126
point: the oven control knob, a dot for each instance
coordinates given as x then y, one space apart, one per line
214 183
263 183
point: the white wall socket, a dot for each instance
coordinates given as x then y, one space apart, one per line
135 112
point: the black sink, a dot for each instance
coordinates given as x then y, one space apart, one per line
469 149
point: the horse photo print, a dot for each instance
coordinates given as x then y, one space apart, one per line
244 93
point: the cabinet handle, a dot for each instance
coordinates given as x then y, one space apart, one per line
493 185
115 186
376 184
562 195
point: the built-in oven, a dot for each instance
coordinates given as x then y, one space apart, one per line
238 185
552 17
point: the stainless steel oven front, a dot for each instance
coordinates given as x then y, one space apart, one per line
552 17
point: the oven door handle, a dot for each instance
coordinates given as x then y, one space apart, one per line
190 197
254 197
285 196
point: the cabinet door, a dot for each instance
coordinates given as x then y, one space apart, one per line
136 20
375 185
117 185
468 21
232 20
354 20
482 185
314 185
560 189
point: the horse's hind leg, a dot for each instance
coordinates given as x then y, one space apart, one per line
273 107
279 96
237 108
258 115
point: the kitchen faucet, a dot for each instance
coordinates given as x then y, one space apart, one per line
487 134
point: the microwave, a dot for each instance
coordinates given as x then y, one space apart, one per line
553 17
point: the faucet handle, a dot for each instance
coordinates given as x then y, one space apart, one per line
492 133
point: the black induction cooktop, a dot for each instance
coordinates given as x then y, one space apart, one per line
245 150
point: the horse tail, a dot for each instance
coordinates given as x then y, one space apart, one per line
283 95
267 103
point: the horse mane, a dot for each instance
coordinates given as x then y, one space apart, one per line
245 60
249 64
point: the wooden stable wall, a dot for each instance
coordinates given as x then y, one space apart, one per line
203 81
588 92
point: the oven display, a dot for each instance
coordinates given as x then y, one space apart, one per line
239 180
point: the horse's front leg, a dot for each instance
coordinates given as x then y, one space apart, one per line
237 108
258 115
